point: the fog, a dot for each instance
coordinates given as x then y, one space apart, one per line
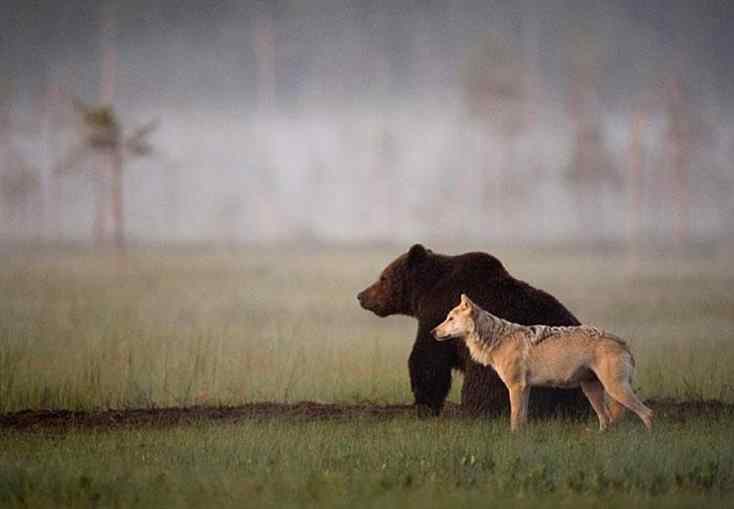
326 121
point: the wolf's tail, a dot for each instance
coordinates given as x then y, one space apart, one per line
632 357
623 343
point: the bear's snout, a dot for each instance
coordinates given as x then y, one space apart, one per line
369 301
364 299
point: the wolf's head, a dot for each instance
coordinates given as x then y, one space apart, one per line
459 322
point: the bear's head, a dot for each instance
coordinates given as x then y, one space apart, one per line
392 293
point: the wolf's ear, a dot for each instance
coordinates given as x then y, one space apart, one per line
467 302
417 254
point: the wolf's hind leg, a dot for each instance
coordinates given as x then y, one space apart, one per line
615 410
594 391
626 396
621 391
615 374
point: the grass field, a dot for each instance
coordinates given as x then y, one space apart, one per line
78 331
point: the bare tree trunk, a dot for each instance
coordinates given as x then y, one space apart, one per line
678 142
46 117
110 191
264 47
56 206
589 166
634 187
118 213
503 216
102 200
174 201
579 158
108 72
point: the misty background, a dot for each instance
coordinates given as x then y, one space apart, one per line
356 121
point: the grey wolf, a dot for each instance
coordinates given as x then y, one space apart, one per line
539 356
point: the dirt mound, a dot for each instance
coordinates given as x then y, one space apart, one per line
62 420
680 411
30 420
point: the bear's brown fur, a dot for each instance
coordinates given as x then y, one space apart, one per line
426 286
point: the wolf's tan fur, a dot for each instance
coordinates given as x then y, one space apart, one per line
597 361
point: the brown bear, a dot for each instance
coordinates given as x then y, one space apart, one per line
426 286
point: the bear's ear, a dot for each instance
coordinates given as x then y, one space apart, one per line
416 254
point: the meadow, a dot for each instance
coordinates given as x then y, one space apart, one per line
82 331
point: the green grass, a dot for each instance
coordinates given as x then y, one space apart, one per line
74 333
175 329
79 332
397 463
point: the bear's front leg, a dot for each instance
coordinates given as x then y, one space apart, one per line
430 365
483 393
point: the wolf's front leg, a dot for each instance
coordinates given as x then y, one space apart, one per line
519 395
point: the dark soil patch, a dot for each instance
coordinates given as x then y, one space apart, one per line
680 411
31 420
62 420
